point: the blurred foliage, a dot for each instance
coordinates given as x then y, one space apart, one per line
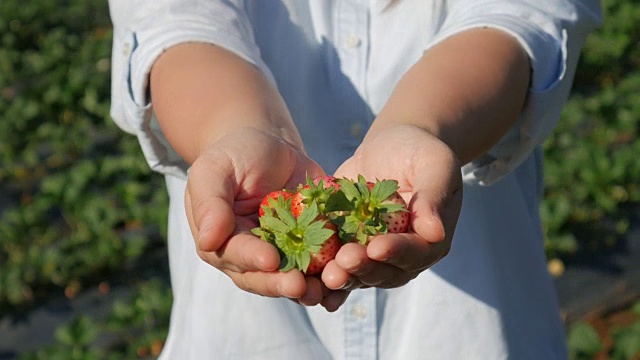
592 172
79 206
623 340
136 327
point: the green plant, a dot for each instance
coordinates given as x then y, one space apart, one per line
592 170
73 342
79 205
78 202
81 200
585 343
135 327
626 339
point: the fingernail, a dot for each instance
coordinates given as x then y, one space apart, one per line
346 284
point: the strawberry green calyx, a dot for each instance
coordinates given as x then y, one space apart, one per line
318 190
281 196
297 239
267 208
370 207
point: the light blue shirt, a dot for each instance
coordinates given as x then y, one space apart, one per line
336 63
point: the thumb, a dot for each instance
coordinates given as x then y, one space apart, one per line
435 219
209 206
437 199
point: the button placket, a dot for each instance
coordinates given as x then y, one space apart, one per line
361 339
351 29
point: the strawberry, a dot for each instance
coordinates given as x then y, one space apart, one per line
376 208
306 242
278 195
326 253
396 221
318 190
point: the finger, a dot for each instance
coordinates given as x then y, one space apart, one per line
352 259
334 277
437 196
450 212
337 278
289 284
315 292
243 253
334 300
209 199
407 252
366 272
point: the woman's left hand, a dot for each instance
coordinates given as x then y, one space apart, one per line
429 177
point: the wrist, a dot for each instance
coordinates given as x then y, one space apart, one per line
470 103
407 135
426 131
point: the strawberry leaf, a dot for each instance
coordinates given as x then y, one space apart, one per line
286 216
309 214
263 234
286 263
316 234
349 189
365 194
303 259
338 202
391 208
383 189
273 224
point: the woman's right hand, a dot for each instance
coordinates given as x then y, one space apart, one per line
226 183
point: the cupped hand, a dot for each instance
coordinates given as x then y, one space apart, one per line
429 177
225 186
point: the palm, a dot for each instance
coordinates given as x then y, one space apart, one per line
429 179
226 184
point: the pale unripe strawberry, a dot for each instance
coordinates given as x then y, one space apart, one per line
327 252
376 208
397 222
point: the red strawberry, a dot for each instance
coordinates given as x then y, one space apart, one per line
279 195
318 190
307 242
376 208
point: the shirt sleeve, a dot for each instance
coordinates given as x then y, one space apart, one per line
552 32
143 30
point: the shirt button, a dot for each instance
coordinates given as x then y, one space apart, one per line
359 312
356 130
125 49
353 41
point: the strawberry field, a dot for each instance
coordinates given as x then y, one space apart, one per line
82 217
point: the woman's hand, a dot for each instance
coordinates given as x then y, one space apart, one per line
226 183
429 177
221 114
441 114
